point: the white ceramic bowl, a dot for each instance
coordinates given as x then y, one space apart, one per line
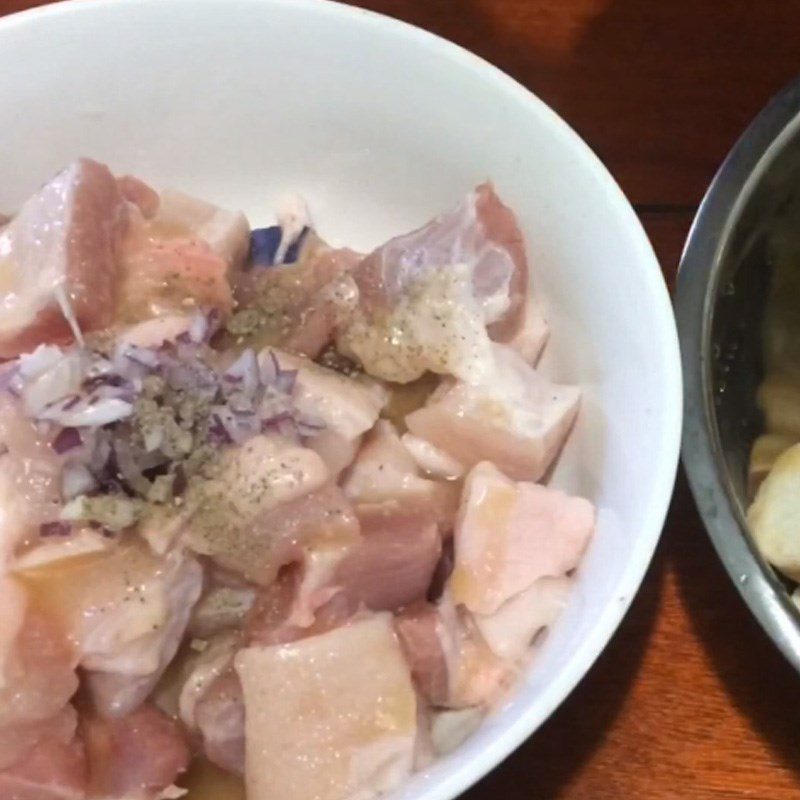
380 125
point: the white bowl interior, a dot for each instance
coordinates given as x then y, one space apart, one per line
379 126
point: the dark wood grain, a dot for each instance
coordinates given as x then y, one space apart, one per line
690 701
658 88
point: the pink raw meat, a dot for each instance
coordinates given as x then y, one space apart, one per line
64 239
138 755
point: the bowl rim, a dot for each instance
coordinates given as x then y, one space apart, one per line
463 773
698 278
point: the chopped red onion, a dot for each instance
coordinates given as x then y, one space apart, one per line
87 414
41 387
285 380
217 432
201 328
244 373
293 250
100 366
264 244
43 359
119 390
269 369
189 373
126 367
273 375
274 246
58 528
281 424
142 356
80 393
309 427
66 440
108 380
240 404
101 453
9 373
238 430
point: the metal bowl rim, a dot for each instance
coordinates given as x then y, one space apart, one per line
696 289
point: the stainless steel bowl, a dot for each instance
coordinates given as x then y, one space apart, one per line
723 285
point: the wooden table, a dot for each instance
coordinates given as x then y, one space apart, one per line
690 701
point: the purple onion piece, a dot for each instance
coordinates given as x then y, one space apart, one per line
101 453
276 366
240 404
264 244
189 373
57 528
285 380
109 380
10 371
276 418
111 386
66 440
238 430
245 372
118 391
142 356
268 369
186 351
273 375
282 379
217 433
282 424
100 366
293 250
306 427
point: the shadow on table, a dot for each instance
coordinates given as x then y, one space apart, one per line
756 677
546 764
